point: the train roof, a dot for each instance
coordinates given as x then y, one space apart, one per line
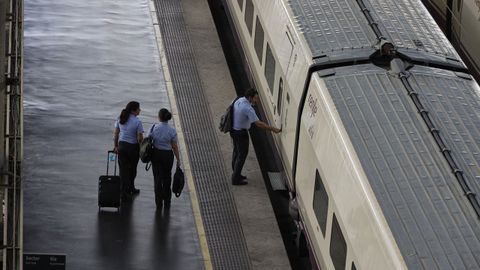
434 224
330 26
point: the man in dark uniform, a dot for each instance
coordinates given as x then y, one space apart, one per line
243 116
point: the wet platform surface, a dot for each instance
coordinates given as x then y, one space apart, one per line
79 75
240 225
84 60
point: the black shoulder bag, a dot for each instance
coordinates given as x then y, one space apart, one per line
146 150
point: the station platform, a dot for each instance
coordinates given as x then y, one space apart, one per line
172 59
239 223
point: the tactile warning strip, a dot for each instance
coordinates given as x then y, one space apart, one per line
224 233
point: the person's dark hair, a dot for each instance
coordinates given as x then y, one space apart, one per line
250 93
131 106
164 115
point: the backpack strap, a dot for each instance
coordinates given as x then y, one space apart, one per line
232 109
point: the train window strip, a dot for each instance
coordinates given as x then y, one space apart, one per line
249 9
320 203
338 246
259 40
270 68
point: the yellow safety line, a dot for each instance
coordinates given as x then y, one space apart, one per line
181 139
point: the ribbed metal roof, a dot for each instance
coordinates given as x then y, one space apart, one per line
332 25
454 105
408 24
432 221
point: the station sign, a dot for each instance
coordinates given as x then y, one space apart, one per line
41 261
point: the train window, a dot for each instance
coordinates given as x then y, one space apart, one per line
353 266
270 68
249 15
240 3
320 203
279 98
259 37
338 246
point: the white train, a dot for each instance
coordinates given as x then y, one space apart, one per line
460 20
381 129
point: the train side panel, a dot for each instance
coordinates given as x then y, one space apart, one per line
461 20
470 33
271 42
334 195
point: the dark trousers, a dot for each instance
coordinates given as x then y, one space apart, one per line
128 156
162 162
240 151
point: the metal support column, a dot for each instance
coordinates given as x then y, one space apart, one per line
11 89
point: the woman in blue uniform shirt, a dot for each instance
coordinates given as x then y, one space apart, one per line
165 142
127 136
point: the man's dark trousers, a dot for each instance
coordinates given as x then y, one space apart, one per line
240 151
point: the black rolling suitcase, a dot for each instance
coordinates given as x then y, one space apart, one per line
109 187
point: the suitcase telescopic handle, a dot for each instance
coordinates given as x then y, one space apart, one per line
108 161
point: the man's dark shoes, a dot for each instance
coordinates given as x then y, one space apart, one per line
239 183
134 191
243 177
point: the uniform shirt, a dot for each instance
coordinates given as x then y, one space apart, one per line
129 130
163 135
243 114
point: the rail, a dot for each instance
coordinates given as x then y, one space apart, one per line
11 132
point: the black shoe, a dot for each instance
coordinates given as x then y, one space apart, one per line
239 183
158 201
243 177
135 191
167 205
159 204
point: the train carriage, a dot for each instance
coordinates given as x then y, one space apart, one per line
381 125
460 20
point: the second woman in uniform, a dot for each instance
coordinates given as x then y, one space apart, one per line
165 142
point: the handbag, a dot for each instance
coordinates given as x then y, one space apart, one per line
178 182
146 149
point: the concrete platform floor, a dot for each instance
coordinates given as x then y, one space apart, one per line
81 69
260 228
84 60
